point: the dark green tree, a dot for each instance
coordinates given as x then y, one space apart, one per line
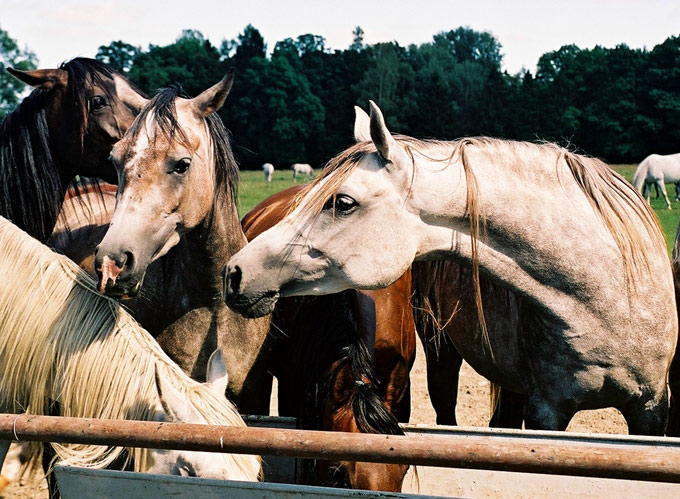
13 57
191 61
119 55
358 40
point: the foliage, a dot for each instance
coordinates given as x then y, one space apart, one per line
119 55
11 56
296 104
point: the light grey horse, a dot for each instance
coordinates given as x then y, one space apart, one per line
564 232
302 169
658 170
268 170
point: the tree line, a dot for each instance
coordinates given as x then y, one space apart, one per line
295 103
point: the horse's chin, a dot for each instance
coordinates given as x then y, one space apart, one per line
252 307
123 292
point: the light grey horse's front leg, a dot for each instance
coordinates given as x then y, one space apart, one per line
660 183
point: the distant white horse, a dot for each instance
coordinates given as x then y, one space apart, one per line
657 169
565 232
65 346
302 169
268 170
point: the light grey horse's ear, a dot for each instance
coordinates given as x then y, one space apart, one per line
216 376
212 99
380 135
174 404
362 126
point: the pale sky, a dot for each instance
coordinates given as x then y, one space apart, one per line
59 30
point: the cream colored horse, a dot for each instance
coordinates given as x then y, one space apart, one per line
658 170
563 231
62 345
268 170
302 169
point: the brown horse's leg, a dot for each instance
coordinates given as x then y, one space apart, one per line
673 428
509 412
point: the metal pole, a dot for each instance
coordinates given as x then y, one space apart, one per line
635 462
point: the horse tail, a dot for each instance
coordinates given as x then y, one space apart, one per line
494 397
640 174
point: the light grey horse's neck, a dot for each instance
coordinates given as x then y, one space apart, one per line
542 238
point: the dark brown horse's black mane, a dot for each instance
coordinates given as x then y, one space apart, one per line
162 109
343 346
32 182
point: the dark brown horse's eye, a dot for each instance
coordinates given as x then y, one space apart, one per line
97 102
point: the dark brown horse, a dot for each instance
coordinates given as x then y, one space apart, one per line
64 128
342 362
448 325
673 427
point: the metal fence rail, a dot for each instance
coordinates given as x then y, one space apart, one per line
611 460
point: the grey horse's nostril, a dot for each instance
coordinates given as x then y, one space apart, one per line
234 280
127 259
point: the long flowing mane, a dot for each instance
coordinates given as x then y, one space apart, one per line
620 206
161 109
63 345
31 177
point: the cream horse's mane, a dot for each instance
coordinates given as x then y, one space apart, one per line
61 341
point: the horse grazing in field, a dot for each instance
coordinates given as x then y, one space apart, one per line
302 169
342 362
658 170
176 216
498 206
268 170
64 128
66 350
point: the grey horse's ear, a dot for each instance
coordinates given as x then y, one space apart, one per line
380 135
362 127
212 99
216 376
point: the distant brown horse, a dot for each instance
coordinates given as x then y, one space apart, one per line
64 128
342 361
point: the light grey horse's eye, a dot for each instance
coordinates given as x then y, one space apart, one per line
342 204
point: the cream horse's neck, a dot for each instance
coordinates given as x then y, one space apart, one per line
542 237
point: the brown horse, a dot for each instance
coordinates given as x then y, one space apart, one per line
64 128
342 361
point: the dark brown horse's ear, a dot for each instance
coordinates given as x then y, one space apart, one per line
212 99
42 78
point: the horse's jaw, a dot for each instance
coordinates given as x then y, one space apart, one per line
252 307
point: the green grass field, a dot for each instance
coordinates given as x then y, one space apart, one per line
254 189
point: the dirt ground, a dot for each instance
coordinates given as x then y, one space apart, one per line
473 410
